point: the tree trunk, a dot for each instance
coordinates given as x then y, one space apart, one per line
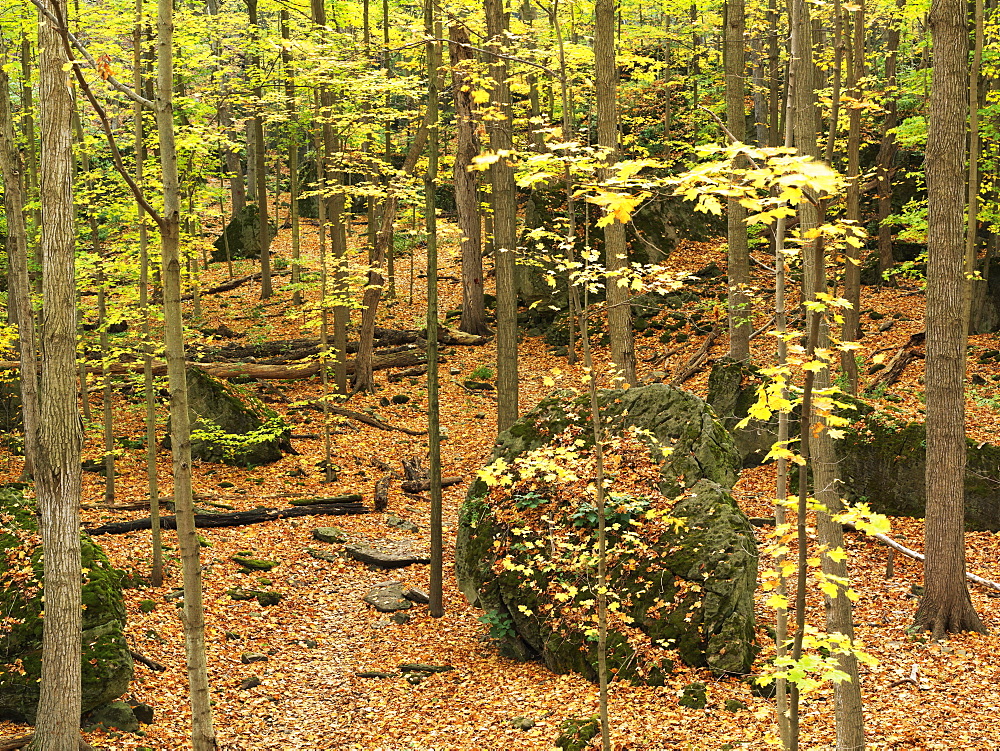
946 606
504 223
433 51
887 148
260 171
467 184
293 158
852 254
739 307
18 280
606 92
202 731
58 480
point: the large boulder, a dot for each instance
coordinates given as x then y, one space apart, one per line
681 558
231 426
107 663
882 459
240 235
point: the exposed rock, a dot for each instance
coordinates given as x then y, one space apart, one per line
735 705
732 391
689 586
403 524
387 554
252 682
114 716
241 236
107 664
143 712
230 425
522 723
253 564
388 599
263 597
658 225
330 534
248 658
575 733
882 459
694 696
417 595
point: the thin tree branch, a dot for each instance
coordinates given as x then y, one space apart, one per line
70 37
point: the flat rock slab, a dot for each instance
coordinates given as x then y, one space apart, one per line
387 555
388 599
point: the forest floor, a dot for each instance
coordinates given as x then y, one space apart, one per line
322 635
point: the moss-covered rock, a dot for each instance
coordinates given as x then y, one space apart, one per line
732 391
240 238
230 425
883 461
107 664
682 559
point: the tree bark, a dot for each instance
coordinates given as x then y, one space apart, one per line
467 184
738 258
202 731
18 280
504 222
58 481
616 261
260 171
946 606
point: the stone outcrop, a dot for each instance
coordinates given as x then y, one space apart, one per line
107 663
682 557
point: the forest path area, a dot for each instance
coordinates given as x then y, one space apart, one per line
287 676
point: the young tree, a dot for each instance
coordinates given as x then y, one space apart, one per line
504 206
606 92
946 606
738 253
58 479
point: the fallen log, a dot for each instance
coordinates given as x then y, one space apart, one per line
234 519
143 660
417 486
366 419
903 357
697 360
768 521
234 283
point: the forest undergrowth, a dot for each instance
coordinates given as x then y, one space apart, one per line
922 695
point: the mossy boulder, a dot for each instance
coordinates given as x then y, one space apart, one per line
732 391
883 460
107 663
230 425
241 236
682 558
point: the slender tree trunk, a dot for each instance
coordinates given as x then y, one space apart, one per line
852 255
946 606
887 148
202 731
58 478
436 605
974 285
739 307
504 224
260 170
293 159
467 184
606 92
19 282
156 569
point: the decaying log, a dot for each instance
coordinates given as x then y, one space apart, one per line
143 660
408 373
234 283
234 519
417 486
903 357
366 419
698 359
